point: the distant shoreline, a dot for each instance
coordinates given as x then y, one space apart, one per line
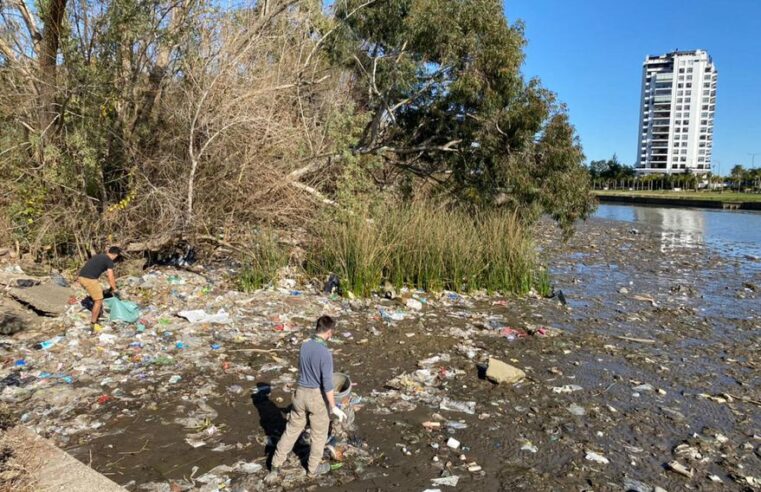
727 201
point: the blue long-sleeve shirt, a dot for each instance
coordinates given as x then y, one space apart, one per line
315 365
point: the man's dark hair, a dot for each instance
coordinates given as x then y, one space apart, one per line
115 250
324 324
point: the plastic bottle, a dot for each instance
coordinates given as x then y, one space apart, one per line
48 343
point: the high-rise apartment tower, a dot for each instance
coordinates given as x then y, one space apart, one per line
676 113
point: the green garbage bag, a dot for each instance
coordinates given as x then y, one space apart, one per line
122 310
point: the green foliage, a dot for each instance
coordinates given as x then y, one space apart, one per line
355 189
610 169
425 246
448 102
737 171
265 257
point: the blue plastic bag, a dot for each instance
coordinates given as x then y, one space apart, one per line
122 310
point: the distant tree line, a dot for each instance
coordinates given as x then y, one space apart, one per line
615 175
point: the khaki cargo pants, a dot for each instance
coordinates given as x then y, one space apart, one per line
93 287
307 402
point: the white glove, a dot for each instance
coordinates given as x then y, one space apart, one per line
338 413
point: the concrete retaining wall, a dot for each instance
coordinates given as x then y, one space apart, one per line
679 202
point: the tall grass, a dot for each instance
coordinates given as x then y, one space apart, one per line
261 266
431 248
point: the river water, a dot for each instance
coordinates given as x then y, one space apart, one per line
734 233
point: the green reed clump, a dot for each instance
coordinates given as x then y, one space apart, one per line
265 258
428 247
352 247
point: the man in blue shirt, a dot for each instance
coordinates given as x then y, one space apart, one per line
312 400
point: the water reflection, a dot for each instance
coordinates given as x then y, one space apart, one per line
736 233
680 228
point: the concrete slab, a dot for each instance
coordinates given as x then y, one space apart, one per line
47 298
14 317
56 470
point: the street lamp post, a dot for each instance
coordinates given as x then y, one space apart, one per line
717 165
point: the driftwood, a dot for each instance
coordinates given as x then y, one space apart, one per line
638 340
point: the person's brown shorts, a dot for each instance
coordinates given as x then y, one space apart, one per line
93 287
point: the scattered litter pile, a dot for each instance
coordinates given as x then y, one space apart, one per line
448 391
193 343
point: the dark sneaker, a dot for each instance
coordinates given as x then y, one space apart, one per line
322 469
273 475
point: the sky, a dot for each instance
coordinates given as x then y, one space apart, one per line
590 53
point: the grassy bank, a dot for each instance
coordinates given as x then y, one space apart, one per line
687 195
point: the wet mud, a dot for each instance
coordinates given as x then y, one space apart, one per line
655 368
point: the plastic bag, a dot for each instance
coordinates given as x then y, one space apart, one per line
122 310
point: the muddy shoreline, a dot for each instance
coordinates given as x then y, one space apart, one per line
692 378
